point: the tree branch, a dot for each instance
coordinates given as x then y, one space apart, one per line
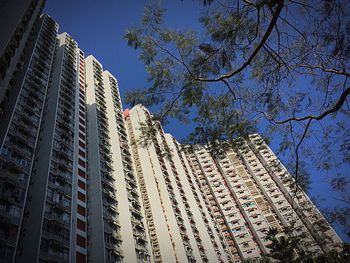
229 88
297 155
335 108
274 19
321 67
172 55
161 119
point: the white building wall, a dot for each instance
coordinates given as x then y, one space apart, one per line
148 161
128 244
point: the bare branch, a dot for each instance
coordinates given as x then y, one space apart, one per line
297 154
161 119
229 87
321 67
335 108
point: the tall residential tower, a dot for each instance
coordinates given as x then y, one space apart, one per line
238 192
26 90
116 221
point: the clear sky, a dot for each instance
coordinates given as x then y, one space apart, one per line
99 27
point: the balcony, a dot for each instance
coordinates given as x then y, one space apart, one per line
14 177
109 196
16 162
141 245
8 235
111 217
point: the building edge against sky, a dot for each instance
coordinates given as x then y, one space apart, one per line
76 184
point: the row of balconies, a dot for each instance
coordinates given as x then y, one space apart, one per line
67 103
102 117
103 125
45 42
8 232
110 216
99 93
54 250
62 163
64 127
114 254
61 169
60 183
15 159
57 215
34 98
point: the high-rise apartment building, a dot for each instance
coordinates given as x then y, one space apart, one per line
21 119
240 192
176 217
81 181
51 215
116 230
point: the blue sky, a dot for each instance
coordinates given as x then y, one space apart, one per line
99 27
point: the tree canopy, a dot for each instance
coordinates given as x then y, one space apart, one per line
280 67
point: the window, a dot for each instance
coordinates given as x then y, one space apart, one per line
81 128
81 153
81 184
5 151
15 211
81 225
81 136
66 217
81 173
82 163
81 258
81 197
81 241
81 210
81 144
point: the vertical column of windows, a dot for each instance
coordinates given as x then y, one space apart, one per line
17 151
193 188
237 224
81 223
111 224
183 196
144 195
174 203
237 181
55 239
131 187
221 227
281 186
307 207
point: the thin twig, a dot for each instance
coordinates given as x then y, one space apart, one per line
297 154
161 119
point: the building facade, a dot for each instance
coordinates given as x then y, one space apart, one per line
176 217
21 119
116 231
83 181
240 190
